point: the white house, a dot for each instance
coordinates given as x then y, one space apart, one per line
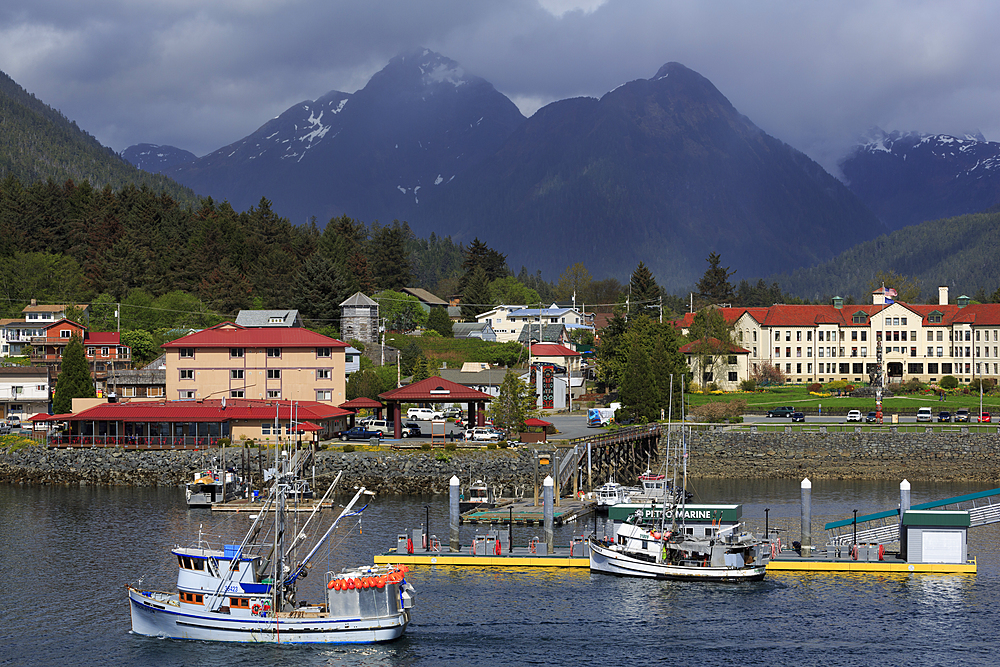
508 321
24 391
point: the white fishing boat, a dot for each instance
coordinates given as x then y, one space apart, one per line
480 497
211 485
611 493
650 548
247 592
642 551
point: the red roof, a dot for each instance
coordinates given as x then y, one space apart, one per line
361 402
715 344
238 336
206 411
552 350
308 426
536 422
102 338
435 389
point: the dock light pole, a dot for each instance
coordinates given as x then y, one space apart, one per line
767 528
427 528
855 526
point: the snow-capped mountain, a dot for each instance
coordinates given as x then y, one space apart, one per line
907 178
156 158
376 154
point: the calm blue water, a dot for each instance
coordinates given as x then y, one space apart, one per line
66 555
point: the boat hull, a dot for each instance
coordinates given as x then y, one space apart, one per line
607 560
156 618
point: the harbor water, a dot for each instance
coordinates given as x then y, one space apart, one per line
66 555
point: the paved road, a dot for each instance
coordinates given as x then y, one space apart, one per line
569 425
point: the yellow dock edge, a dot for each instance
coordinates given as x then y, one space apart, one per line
480 561
969 567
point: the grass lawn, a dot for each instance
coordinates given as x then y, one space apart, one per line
798 397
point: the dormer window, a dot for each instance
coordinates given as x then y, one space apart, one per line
934 317
860 317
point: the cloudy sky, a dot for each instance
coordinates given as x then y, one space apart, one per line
199 74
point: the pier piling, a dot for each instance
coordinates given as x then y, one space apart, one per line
453 513
547 497
806 537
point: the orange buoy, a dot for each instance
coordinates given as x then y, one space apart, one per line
331 584
380 582
350 584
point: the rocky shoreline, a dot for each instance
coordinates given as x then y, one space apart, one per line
885 455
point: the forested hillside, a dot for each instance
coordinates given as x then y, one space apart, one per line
37 143
957 252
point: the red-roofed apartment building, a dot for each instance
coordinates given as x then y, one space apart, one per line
103 349
838 341
256 363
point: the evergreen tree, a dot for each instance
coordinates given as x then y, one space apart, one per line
420 369
439 321
476 297
409 356
638 392
319 290
481 256
388 261
643 290
74 379
714 286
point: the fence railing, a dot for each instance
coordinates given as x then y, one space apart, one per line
131 442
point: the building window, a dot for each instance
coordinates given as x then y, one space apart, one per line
236 353
324 395
323 373
185 394
236 374
273 374
854 334
809 368
274 352
187 374
798 336
788 351
777 351
932 369
91 351
731 360
123 353
323 352
274 393
732 376
788 335
902 321
236 393
940 351
788 368
187 352
105 352
65 333
864 352
265 428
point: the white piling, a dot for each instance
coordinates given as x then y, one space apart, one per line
453 514
547 503
806 532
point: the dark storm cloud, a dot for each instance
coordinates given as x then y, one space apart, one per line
199 75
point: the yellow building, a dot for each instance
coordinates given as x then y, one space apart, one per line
230 361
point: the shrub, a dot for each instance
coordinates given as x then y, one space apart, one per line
426 446
987 384
712 387
349 448
491 445
835 386
949 382
504 445
451 446
748 385
720 411
814 387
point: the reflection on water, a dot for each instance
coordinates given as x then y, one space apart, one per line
66 555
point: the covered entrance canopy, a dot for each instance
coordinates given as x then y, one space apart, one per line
363 403
435 390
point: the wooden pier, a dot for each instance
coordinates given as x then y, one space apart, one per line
244 505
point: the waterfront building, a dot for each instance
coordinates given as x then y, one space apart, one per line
231 361
821 343
24 391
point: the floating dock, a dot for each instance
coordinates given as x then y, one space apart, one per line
244 505
525 513
792 562
519 557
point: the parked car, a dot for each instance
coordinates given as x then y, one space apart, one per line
961 415
871 417
14 421
382 426
411 430
425 414
798 417
4 428
452 412
482 433
780 412
924 414
984 418
854 416
944 416
359 433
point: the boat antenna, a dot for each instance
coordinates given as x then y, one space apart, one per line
666 463
345 512
684 458
301 535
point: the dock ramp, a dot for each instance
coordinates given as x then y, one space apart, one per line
883 527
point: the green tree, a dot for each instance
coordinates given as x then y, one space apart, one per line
409 355
142 344
712 337
476 297
643 290
420 370
387 257
907 288
638 391
102 313
504 354
319 289
366 382
481 256
402 312
509 290
74 379
439 321
513 405
714 285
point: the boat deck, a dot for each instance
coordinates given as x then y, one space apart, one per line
244 505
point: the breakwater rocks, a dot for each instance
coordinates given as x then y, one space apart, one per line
404 473
844 455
